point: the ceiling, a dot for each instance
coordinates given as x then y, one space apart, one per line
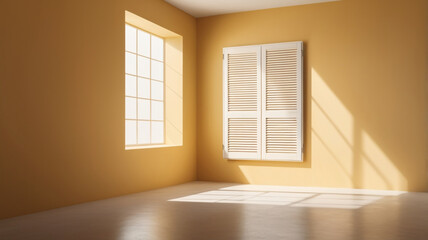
204 8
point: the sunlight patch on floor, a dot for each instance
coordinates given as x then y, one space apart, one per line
290 196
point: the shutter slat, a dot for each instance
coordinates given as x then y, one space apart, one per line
242 82
242 135
278 139
281 94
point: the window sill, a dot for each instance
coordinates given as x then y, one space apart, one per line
151 146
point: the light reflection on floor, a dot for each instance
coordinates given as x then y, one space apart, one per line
200 210
290 196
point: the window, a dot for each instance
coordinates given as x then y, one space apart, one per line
262 102
144 88
153 81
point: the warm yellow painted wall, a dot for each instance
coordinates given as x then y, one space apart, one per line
365 85
62 104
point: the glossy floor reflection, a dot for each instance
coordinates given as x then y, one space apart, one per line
204 210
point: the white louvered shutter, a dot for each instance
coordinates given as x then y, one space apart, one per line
242 103
282 136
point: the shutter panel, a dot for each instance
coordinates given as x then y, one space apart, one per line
242 103
282 101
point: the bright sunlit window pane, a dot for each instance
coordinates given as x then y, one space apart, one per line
143 67
130 86
157 132
157 70
130 132
130 39
157 48
143 132
130 108
157 90
130 63
143 109
143 43
157 110
144 88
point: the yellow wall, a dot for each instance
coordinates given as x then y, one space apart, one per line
62 104
365 93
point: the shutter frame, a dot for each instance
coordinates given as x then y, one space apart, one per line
277 136
230 115
268 126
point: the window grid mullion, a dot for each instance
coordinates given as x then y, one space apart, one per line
156 100
150 88
136 82
132 75
142 120
145 56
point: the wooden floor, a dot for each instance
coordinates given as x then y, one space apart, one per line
205 210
